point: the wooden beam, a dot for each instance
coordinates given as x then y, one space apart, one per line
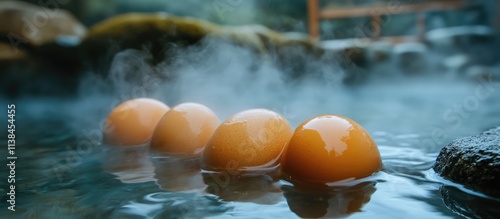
376 26
313 12
366 11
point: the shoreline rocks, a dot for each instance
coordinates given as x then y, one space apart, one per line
473 161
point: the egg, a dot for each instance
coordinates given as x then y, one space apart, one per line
249 140
133 122
330 148
184 130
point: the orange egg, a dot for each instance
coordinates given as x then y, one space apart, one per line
249 140
185 129
330 148
133 122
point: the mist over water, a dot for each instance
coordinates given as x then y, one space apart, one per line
409 117
229 79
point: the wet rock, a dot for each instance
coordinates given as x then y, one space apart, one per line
455 63
379 52
473 161
38 53
454 37
352 56
7 53
245 36
160 34
25 23
479 42
352 51
166 37
476 72
410 57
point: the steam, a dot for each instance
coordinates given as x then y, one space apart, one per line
229 79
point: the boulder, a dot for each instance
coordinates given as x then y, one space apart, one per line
477 41
37 49
26 23
473 161
158 33
411 57
166 36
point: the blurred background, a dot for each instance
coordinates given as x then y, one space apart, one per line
362 37
286 15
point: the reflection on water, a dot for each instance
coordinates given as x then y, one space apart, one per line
130 164
469 205
329 202
178 174
257 188
56 180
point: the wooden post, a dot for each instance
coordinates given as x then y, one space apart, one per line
376 26
496 22
421 26
313 12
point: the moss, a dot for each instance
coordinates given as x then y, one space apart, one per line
135 24
158 33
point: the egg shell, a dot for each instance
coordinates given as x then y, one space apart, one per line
249 140
330 148
184 130
133 122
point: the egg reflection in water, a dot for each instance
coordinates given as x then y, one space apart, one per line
328 202
184 130
330 148
261 188
178 174
133 122
129 164
249 140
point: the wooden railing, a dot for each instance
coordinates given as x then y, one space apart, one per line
316 14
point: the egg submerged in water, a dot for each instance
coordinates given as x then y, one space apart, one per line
184 130
330 148
133 122
249 140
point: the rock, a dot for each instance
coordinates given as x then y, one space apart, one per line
165 36
38 53
476 72
30 24
473 161
158 33
245 36
479 42
7 53
410 57
455 63
379 52
451 37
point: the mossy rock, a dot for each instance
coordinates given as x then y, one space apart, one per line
32 58
26 23
158 33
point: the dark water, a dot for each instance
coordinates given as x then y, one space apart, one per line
62 171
